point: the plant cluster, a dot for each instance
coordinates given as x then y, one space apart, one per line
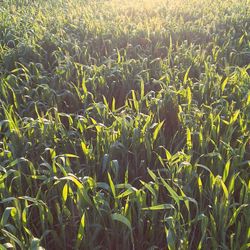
124 124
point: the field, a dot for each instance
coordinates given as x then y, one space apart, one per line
125 124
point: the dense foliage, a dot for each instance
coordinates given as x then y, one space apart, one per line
125 124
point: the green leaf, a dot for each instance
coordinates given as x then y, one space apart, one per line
232 182
236 213
224 188
12 237
226 171
189 95
126 193
67 156
105 162
121 218
8 200
170 239
81 231
65 192
173 194
149 187
85 149
223 85
159 207
136 103
157 129
113 105
152 175
142 88
189 139
5 215
74 179
84 88
234 116
241 39
186 76
199 184
112 186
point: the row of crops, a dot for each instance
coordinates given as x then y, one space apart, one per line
125 124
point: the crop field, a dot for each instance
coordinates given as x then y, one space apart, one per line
125 124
